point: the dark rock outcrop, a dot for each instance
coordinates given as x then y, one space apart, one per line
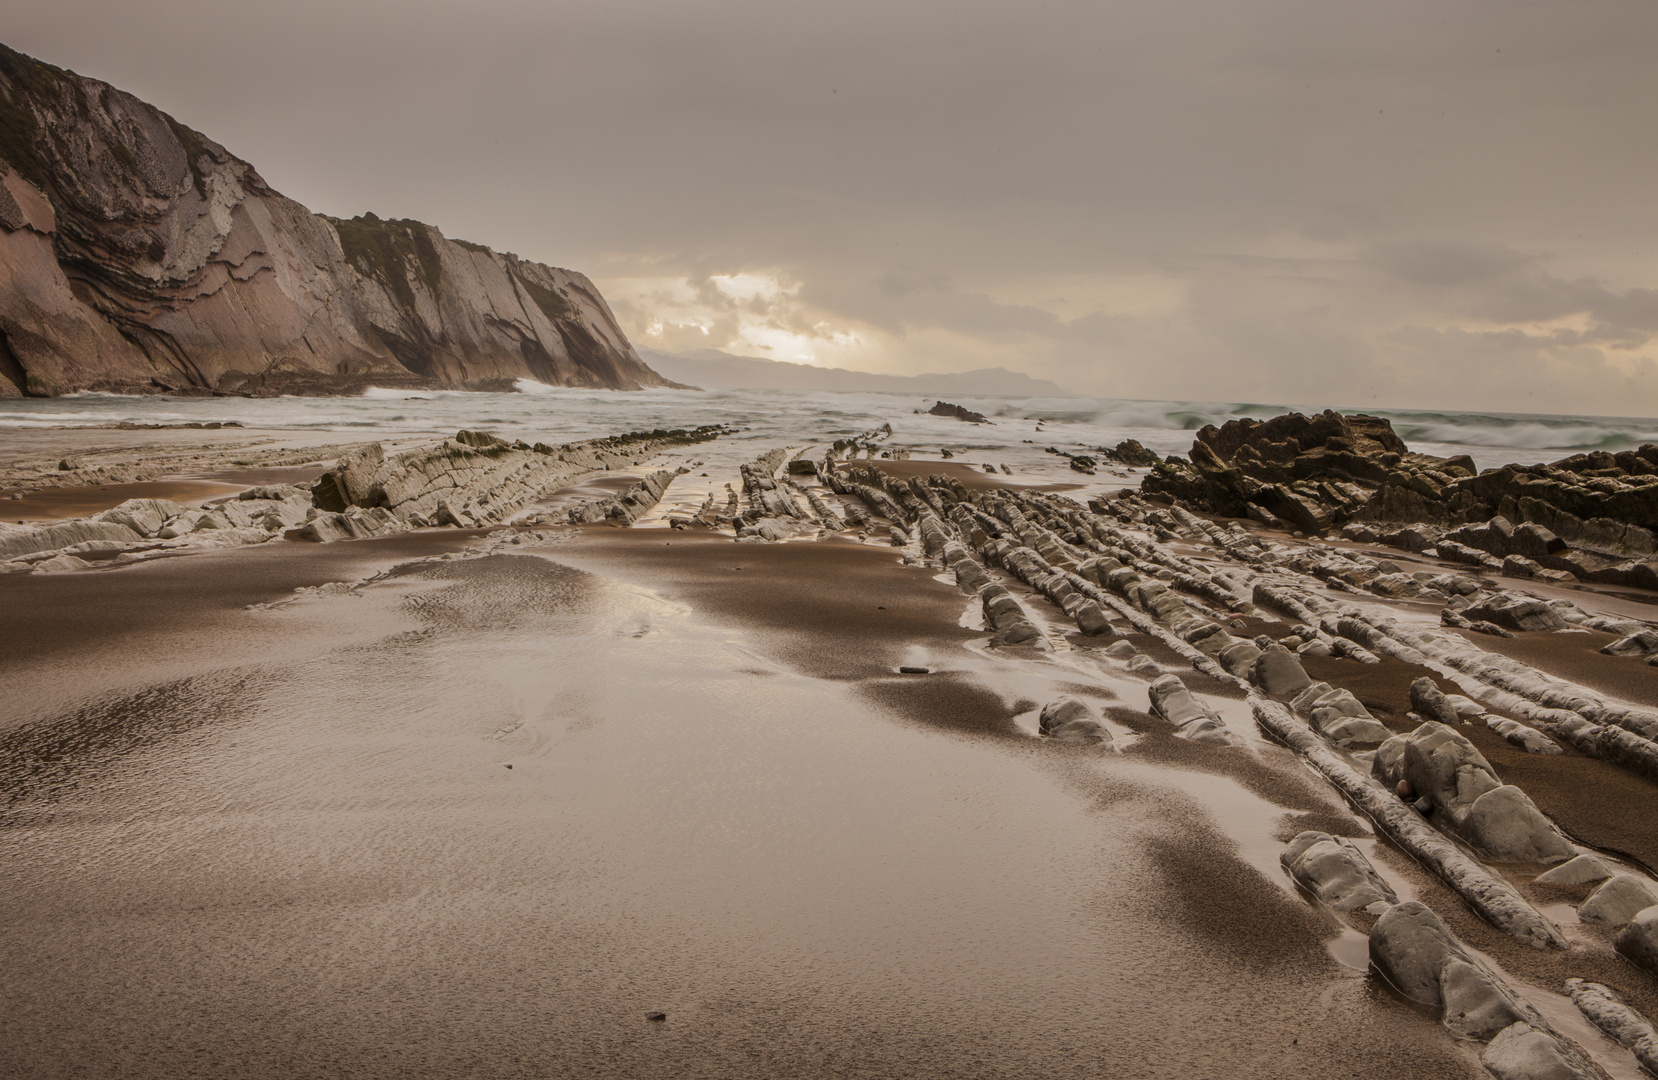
1588 517
1307 473
966 415
138 255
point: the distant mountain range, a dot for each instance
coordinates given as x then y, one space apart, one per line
712 369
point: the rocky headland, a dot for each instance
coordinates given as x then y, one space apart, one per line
140 256
1588 517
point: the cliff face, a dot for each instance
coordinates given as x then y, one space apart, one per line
137 255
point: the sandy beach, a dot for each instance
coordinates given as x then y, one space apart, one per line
481 801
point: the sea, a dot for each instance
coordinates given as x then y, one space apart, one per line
1020 431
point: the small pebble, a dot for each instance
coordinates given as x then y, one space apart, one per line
915 671
657 1016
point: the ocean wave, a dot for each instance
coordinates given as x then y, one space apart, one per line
1577 433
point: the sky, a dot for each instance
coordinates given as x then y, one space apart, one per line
1314 202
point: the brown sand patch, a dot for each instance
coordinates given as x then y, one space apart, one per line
835 609
1576 657
943 700
53 504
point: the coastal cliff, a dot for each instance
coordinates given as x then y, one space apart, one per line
139 256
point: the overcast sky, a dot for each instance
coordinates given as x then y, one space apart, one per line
1317 202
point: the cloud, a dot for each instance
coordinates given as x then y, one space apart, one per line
1445 261
1283 200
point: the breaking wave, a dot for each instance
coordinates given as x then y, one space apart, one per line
1020 425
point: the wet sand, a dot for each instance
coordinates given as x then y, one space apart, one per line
310 857
53 504
481 815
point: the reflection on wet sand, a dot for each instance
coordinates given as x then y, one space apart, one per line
529 798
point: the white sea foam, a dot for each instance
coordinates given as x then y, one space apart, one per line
1022 428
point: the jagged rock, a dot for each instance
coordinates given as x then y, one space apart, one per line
143 516
1344 720
1583 870
944 408
59 564
1073 721
1303 471
482 480
1515 612
1144 666
1130 452
1091 620
1507 826
1006 616
1239 658
1336 871
351 479
26 540
1616 901
1641 643
1522 1051
191 274
627 507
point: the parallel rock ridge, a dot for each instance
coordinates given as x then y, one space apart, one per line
137 255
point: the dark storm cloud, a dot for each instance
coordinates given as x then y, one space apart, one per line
1270 200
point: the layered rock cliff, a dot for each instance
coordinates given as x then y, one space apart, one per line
137 255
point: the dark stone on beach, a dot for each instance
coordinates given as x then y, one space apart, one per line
656 1016
1130 452
944 408
914 671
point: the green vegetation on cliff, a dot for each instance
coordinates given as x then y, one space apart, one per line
26 78
552 303
386 250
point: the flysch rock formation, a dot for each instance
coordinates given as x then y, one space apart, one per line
474 480
1047 581
140 256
